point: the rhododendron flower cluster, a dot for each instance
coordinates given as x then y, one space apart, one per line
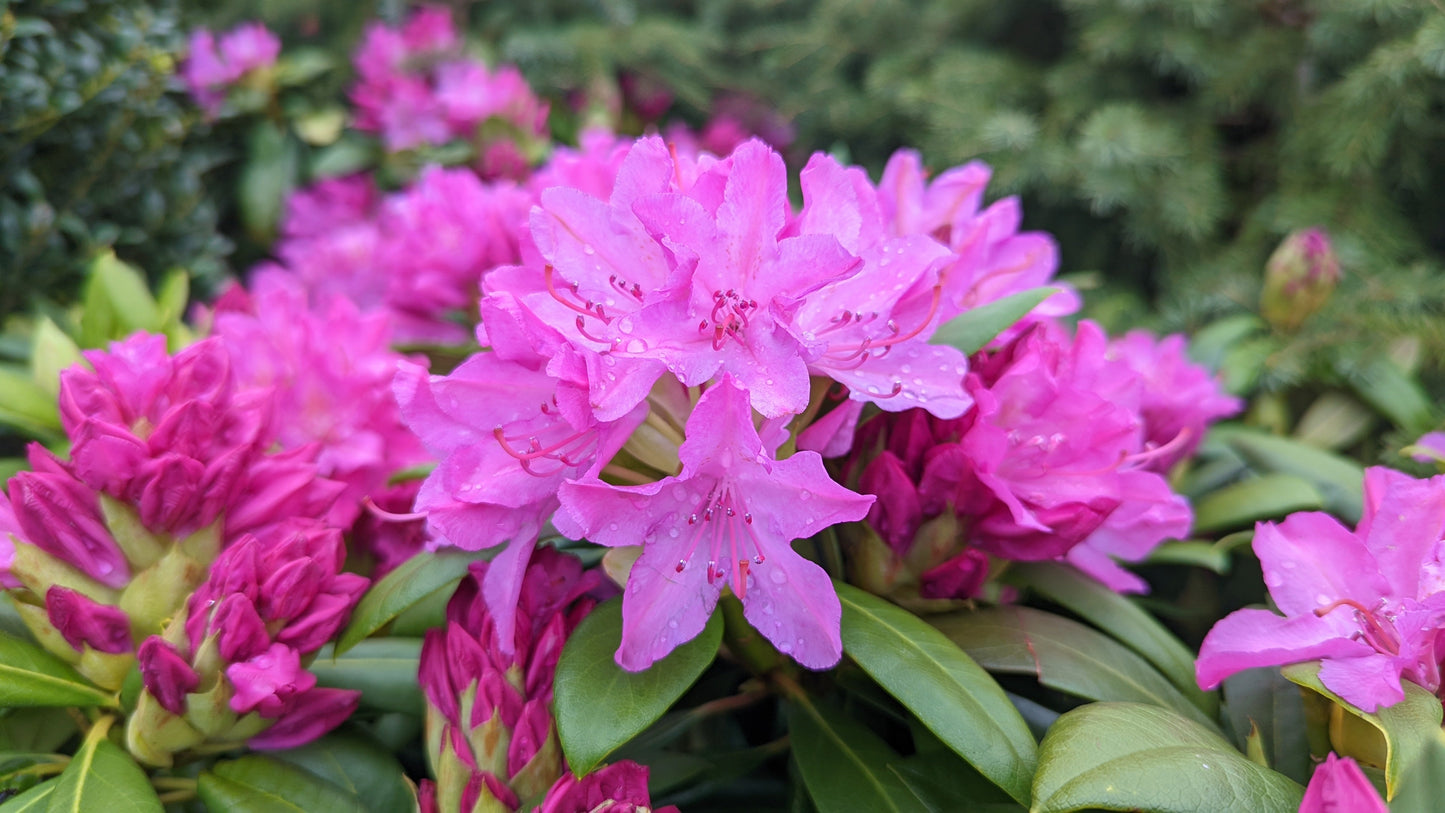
230 668
174 474
1368 603
211 65
417 88
491 739
1062 457
666 341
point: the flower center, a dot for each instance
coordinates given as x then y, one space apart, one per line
729 316
724 524
1376 628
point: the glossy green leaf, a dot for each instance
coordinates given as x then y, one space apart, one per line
263 784
356 763
1191 552
412 581
1264 700
1064 655
1334 421
599 705
384 670
1423 784
1121 619
845 766
30 676
1338 479
976 327
1132 756
945 688
117 302
1241 504
102 776
1408 726
35 729
34 800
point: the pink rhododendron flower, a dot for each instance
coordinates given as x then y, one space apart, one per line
728 520
209 69
328 372
1179 398
1339 786
8 525
329 204
1370 604
508 435
617 788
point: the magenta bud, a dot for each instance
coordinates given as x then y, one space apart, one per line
618 788
529 735
240 633
312 714
84 622
958 578
166 674
106 456
269 682
290 588
170 493
325 615
897 512
61 517
1339 784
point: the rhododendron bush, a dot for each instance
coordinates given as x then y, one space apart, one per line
652 473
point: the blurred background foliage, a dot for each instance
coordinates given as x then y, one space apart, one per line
1169 144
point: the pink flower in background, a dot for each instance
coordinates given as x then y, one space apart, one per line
1179 398
617 788
209 69
328 374
728 520
1370 604
1339 786
328 205
9 526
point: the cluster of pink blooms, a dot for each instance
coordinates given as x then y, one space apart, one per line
212 66
415 87
1064 455
658 365
490 734
186 533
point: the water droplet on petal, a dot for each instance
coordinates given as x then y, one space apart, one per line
612 526
777 576
636 346
805 494
589 250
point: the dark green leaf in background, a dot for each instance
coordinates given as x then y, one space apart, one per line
263 784
356 763
844 765
384 670
1241 504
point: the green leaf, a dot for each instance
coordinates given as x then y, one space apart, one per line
117 302
1407 727
1423 785
971 330
1338 479
1263 699
263 784
53 351
1131 756
1064 655
1240 505
1121 619
356 763
599 705
30 676
34 800
26 405
1396 395
414 580
272 162
384 670
949 693
1209 345
171 300
102 776
844 765
35 729
1191 552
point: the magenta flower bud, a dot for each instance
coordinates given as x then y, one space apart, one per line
896 514
1299 278
85 623
326 614
312 714
106 456
289 588
529 734
166 674
268 682
8 526
1338 785
617 788
60 516
170 494
240 633
958 578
